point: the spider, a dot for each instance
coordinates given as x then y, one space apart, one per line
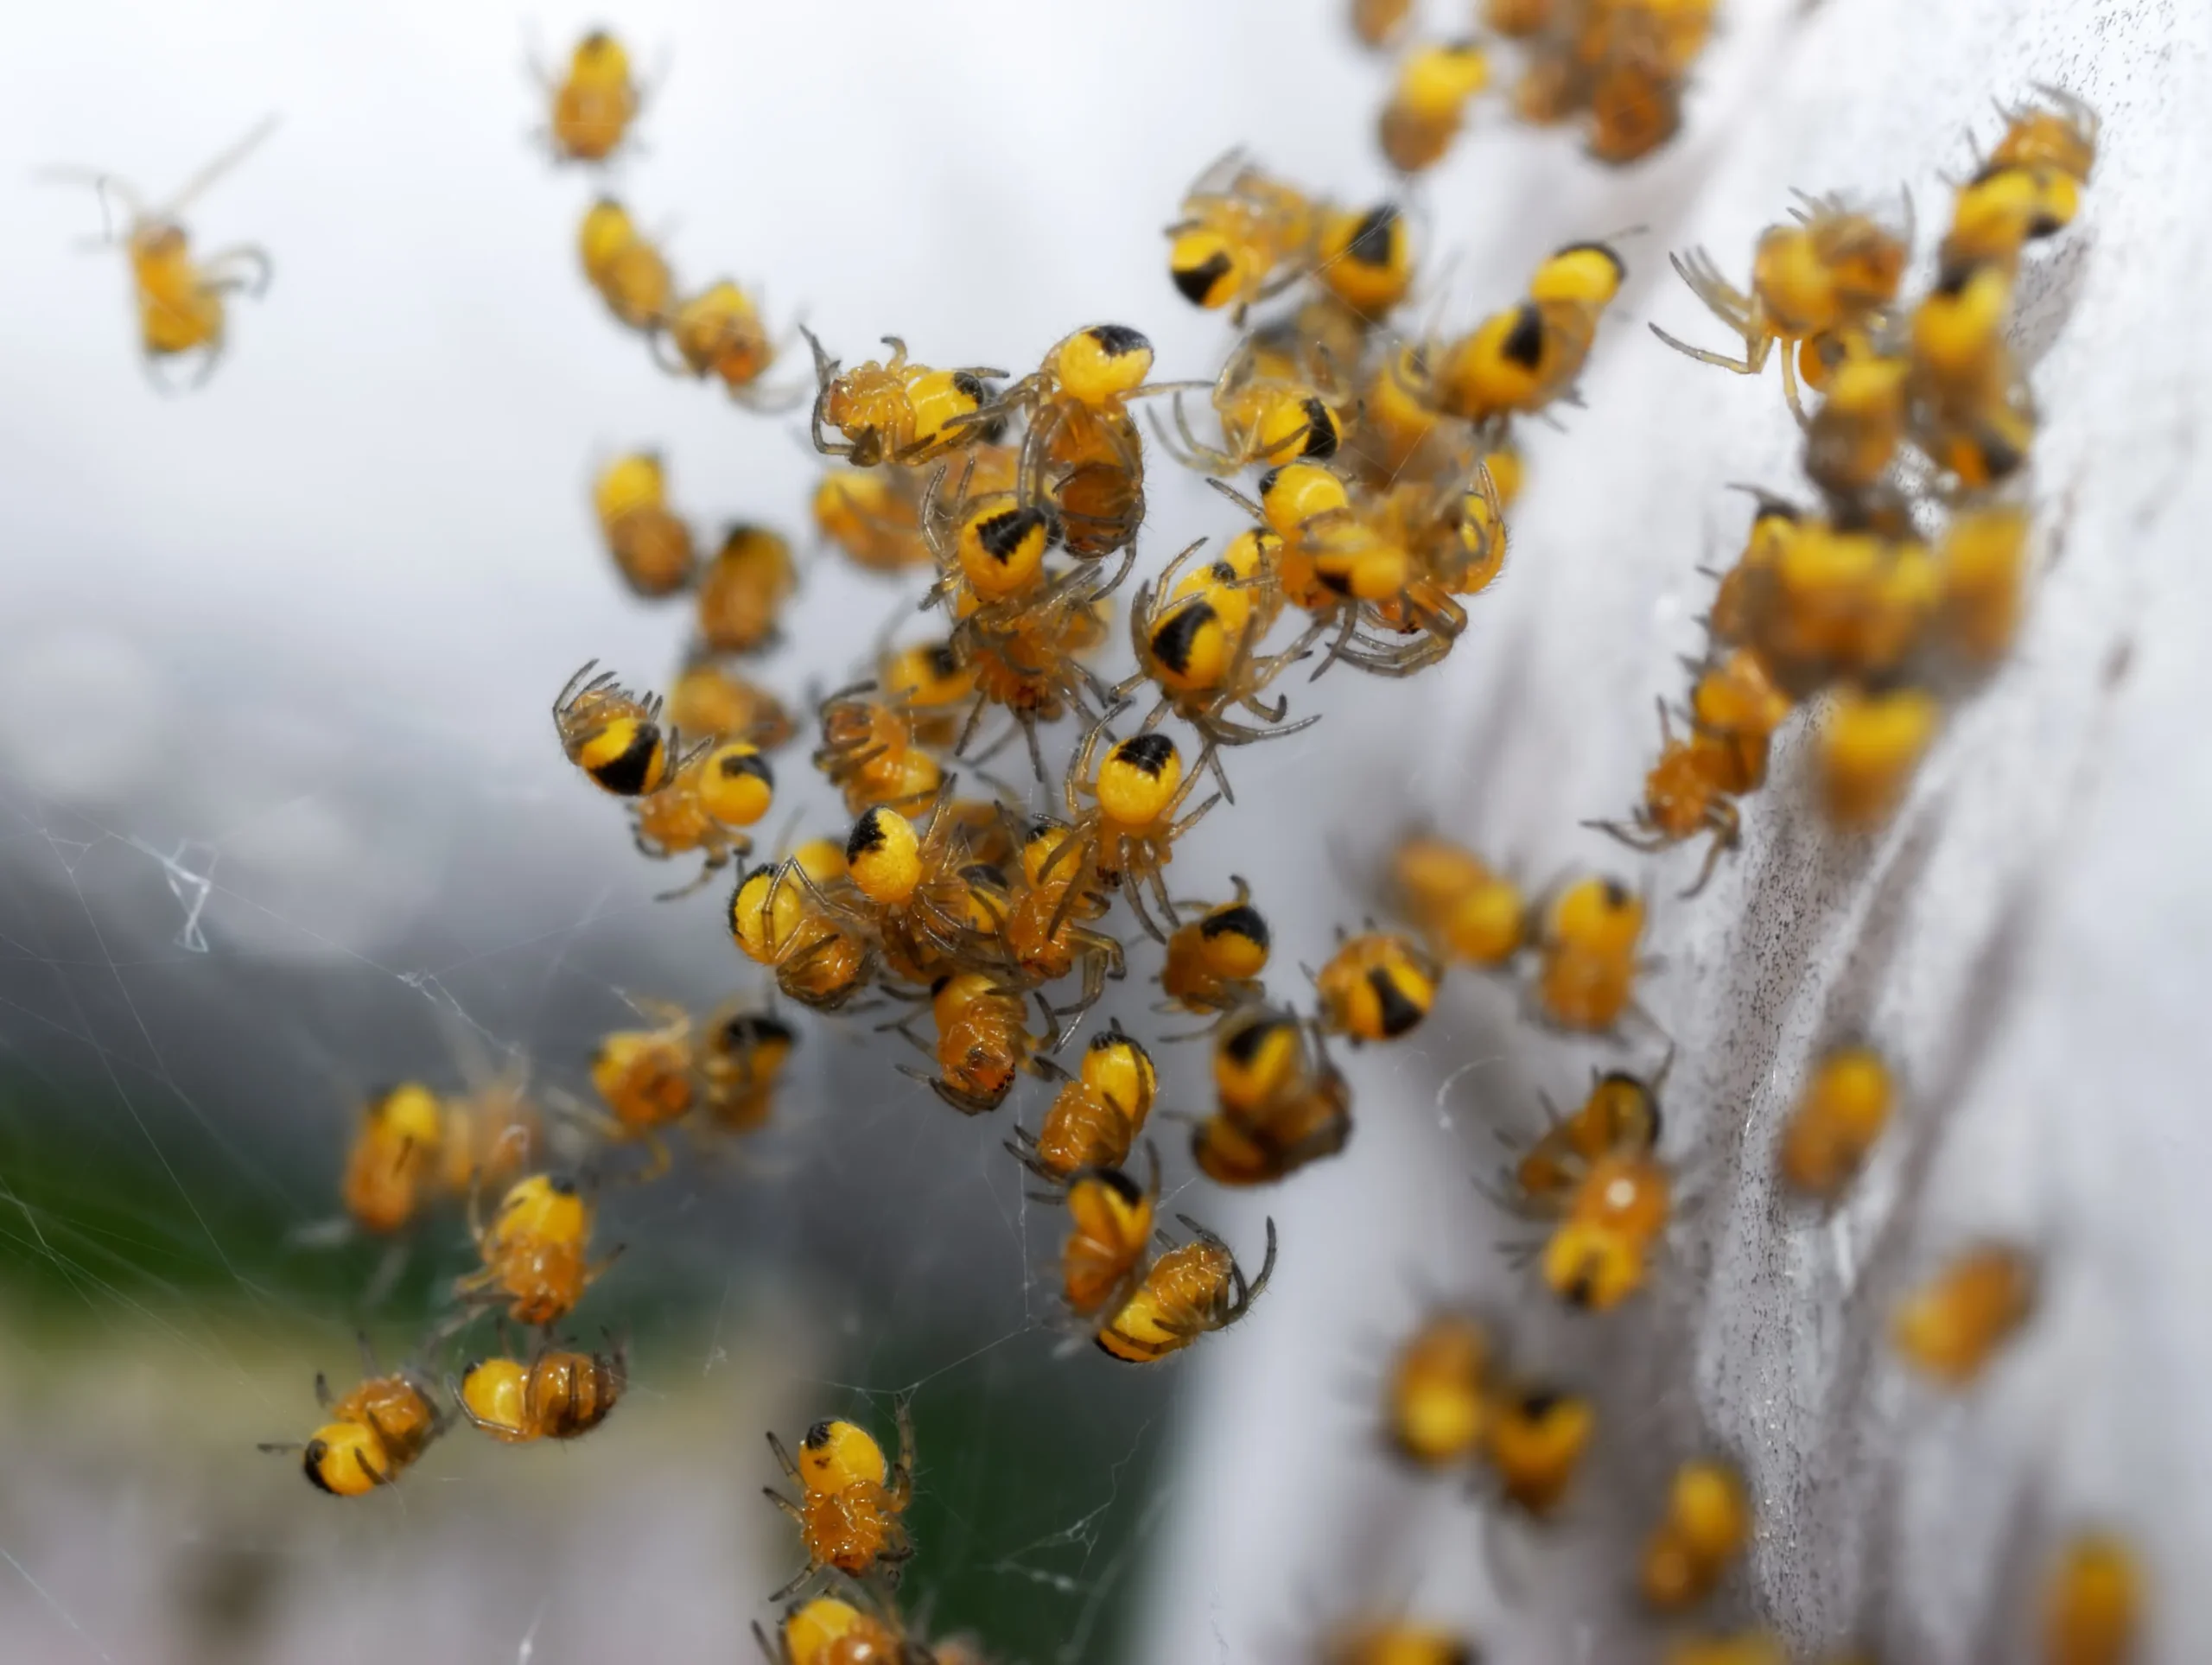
374 1432
1187 1292
1197 644
1128 832
850 1501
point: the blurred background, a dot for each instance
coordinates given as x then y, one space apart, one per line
280 822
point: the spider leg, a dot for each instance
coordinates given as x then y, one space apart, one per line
1750 364
797 1584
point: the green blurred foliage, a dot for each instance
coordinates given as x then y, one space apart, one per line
1038 1471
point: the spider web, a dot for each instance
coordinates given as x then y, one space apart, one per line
280 821
192 1013
250 873
283 823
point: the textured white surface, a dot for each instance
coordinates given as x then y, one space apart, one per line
2032 937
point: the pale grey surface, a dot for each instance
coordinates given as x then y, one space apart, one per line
375 516
2031 936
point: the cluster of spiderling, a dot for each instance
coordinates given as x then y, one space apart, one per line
1618 66
412 1148
415 1147
1908 577
1379 504
716 332
1385 464
378 1431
